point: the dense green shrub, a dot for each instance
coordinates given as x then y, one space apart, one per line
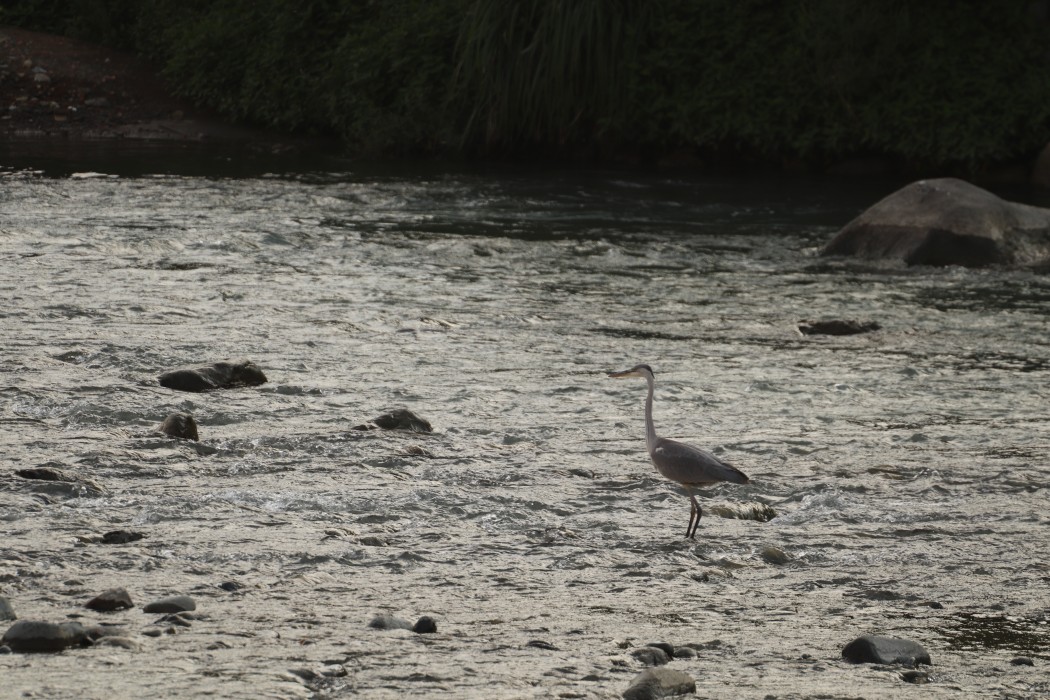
960 84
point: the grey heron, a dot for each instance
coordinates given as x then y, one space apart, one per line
689 466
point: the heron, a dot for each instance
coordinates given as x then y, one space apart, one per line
689 466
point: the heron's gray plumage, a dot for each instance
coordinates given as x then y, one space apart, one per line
688 465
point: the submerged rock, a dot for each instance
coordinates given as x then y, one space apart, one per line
875 649
180 425
837 327
774 555
386 621
651 656
45 474
398 419
113 599
742 511
121 537
947 222
221 375
654 683
172 604
33 636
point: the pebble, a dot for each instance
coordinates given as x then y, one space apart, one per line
6 611
113 599
1022 661
655 683
685 653
876 649
29 636
173 604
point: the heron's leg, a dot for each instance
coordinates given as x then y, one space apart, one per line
692 514
699 512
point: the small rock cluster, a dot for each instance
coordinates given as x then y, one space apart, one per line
42 637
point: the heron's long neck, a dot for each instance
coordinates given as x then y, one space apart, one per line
650 429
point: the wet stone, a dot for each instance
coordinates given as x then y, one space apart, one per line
33 636
121 537
398 419
386 621
180 425
685 653
116 641
837 327
45 474
651 656
172 604
916 677
758 512
667 648
774 556
113 599
875 649
425 625
221 375
654 683
1022 661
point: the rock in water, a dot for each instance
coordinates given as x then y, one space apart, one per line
947 222
752 510
121 537
221 375
45 474
398 419
174 604
874 649
386 621
655 683
180 425
837 327
6 611
651 656
113 599
32 636
425 625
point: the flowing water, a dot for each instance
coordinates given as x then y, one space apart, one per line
907 467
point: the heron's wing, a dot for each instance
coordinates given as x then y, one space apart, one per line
690 465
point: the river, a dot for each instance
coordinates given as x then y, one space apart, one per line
907 467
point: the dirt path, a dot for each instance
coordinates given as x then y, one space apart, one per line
53 86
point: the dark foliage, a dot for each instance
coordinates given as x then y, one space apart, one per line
801 81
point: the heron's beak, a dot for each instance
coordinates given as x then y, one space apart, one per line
624 373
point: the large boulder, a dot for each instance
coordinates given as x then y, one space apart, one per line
876 649
947 222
